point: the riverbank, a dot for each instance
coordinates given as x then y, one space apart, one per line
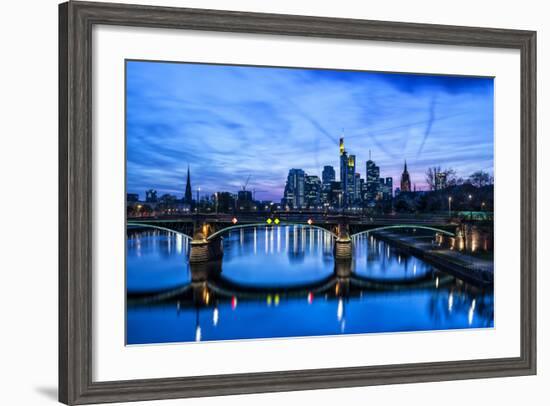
474 270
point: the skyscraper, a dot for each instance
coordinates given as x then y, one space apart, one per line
188 196
336 194
405 180
294 194
312 190
389 188
373 181
350 185
386 188
347 175
329 175
357 188
343 172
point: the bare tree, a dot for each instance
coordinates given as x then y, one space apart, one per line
447 177
481 178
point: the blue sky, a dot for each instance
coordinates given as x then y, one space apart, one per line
229 122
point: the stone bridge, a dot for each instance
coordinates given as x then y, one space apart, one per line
206 231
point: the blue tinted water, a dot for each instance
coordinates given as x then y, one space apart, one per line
281 282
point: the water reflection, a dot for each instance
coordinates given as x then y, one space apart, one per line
284 282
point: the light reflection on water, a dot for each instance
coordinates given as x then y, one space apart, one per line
284 282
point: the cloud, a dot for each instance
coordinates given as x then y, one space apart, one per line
229 122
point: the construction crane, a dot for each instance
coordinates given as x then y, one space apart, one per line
246 183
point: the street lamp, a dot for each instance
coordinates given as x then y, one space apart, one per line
198 199
450 200
470 204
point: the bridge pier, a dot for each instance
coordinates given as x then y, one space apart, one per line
206 250
343 248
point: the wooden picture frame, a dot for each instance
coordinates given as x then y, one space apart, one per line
76 20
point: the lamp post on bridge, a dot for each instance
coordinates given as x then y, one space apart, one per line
450 200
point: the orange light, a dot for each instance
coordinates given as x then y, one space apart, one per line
310 221
234 220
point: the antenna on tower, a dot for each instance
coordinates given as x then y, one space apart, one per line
369 155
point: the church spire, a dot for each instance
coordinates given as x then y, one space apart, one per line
188 197
405 179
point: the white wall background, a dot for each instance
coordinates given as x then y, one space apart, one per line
28 200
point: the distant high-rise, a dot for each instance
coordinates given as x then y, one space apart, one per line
405 180
328 175
350 184
188 196
294 194
244 200
373 181
151 196
312 190
357 187
336 194
386 189
389 188
343 172
347 175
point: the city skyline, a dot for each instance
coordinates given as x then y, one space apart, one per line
230 122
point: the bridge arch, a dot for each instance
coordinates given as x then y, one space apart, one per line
401 226
142 225
282 223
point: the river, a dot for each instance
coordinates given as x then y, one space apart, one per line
284 282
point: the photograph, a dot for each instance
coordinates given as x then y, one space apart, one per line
280 202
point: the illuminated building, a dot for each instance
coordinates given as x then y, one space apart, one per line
350 184
294 194
343 172
373 181
336 194
386 188
389 188
312 190
347 175
357 188
328 176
